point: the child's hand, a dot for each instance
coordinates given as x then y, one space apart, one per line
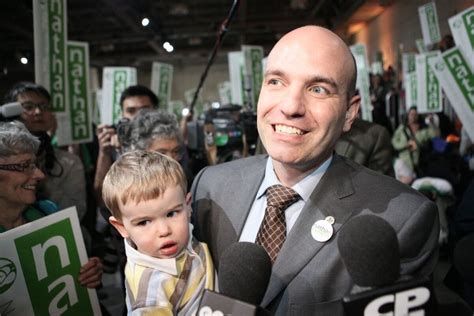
90 274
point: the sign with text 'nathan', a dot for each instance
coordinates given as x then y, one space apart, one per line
50 32
253 56
457 79
363 82
428 88
39 268
162 82
76 125
114 81
429 23
462 27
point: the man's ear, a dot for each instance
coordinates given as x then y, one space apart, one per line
352 112
119 226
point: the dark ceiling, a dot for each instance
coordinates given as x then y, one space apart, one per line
116 37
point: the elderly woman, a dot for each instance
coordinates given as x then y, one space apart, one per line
64 181
19 179
156 130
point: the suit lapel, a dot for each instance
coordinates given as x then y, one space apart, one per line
244 190
300 247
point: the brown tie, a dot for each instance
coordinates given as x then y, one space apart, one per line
272 232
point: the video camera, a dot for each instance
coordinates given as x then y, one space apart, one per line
228 126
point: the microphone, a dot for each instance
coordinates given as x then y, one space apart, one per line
369 249
244 273
10 110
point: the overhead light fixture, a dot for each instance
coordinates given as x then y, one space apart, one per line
24 60
145 21
168 47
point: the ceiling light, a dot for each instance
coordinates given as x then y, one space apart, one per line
145 21
24 60
168 47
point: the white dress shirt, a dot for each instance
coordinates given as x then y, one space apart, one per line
304 188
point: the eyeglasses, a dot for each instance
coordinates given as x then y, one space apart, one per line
30 106
25 167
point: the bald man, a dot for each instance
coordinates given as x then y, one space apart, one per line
307 100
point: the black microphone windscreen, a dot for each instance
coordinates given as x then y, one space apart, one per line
463 258
369 249
244 272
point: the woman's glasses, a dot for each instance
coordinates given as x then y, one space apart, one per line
25 167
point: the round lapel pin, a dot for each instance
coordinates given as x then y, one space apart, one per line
322 230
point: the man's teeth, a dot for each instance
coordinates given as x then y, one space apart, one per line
29 187
288 130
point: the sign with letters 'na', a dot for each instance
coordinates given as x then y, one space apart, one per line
457 79
39 268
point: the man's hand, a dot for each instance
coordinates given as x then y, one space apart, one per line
107 138
90 274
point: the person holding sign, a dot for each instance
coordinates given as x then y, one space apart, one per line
19 180
167 269
410 138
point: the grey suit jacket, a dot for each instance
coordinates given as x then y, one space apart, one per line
309 277
369 145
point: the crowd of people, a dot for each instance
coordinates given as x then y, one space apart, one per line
174 220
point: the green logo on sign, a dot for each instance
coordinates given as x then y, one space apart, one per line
7 274
50 263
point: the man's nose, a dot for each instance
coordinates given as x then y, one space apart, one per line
293 103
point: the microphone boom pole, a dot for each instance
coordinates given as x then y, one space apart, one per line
220 37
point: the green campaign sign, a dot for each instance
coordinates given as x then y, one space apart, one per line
162 81
253 71
429 24
114 81
42 261
462 28
50 21
363 81
457 79
77 126
429 98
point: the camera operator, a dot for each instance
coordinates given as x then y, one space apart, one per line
132 100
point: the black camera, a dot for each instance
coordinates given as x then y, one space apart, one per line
229 124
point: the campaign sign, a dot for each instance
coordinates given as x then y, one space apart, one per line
457 79
429 23
114 81
50 21
363 81
238 87
161 82
428 88
253 56
462 27
76 125
39 268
